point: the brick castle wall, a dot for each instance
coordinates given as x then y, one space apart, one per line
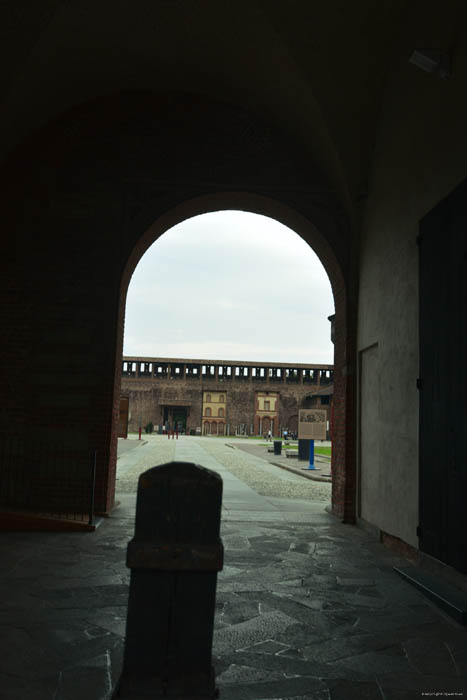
148 395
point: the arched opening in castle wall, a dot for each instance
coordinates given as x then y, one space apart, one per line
102 182
261 424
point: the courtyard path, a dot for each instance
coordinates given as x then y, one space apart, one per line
306 609
260 475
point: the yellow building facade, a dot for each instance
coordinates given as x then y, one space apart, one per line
214 412
267 412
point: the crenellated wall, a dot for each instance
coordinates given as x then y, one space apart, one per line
157 386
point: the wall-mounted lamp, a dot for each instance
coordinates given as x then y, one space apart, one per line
432 61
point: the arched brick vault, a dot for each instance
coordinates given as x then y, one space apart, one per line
95 189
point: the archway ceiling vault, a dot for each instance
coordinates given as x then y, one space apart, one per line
314 69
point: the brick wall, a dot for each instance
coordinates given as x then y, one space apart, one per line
83 198
148 395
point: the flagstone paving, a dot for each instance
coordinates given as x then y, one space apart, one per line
307 608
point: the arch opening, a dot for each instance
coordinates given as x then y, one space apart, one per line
96 168
305 229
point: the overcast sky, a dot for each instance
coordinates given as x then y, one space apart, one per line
230 286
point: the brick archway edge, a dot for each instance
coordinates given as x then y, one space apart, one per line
85 196
343 455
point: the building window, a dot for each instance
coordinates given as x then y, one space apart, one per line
221 398
221 413
267 405
208 411
325 401
208 398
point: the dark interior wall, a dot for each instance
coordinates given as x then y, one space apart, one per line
81 199
420 156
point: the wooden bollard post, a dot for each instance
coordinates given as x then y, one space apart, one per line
174 558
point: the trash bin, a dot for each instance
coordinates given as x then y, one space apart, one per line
304 449
277 447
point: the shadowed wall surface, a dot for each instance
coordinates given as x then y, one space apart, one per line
118 122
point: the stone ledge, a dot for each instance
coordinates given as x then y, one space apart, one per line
452 600
303 471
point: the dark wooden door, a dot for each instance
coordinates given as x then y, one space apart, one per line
443 374
123 417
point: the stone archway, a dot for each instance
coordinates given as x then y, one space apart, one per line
293 423
94 178
344 388
308 401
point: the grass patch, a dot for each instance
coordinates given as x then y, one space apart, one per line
323 451
284 444
318 450
236 437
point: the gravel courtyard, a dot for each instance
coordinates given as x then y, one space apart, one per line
158 451
264 478
261 476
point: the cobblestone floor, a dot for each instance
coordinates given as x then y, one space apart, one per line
264 478
156 451
307 608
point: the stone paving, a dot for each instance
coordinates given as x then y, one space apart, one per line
307 608
256 470
322 471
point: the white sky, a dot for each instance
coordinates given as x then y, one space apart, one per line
230 286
